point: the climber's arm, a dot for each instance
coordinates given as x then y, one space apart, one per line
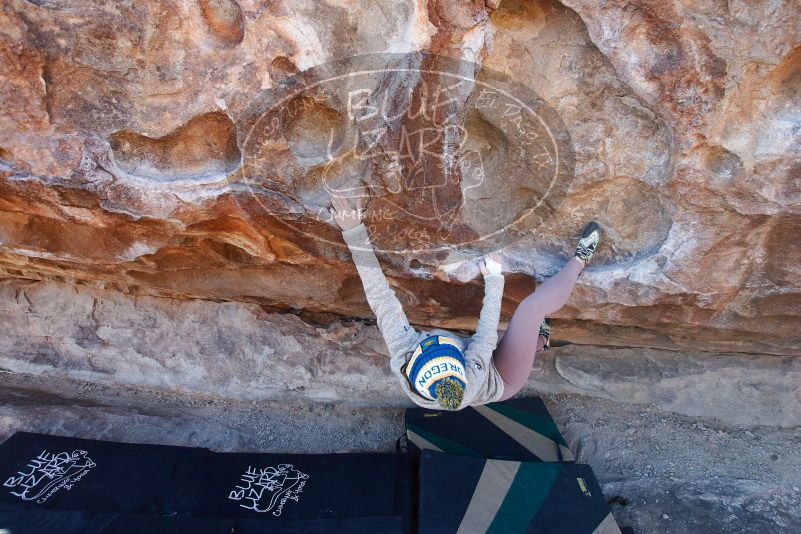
486 337
398 334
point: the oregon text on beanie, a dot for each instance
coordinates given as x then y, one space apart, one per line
435 359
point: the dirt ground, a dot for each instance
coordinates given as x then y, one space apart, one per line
677 474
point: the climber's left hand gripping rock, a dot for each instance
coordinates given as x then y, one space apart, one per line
343 212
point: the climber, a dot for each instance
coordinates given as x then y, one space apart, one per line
440 370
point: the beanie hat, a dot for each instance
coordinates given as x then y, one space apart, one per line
436 370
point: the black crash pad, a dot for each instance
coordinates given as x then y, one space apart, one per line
462 494
39 471
78 485
293 486
78 522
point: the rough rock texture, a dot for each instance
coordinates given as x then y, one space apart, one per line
123 132
229 350
734 387
240 352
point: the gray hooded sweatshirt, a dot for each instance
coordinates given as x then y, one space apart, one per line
484 384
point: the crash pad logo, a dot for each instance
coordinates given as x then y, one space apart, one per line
268 489
48 473
583 486
444 152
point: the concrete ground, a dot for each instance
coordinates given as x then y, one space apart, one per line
677 474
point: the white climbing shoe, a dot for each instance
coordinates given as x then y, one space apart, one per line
590 238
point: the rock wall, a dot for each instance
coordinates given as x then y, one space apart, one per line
124 137
238 352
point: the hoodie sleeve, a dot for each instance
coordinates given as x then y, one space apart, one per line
485 339
399 336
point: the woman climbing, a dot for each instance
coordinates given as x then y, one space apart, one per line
438 369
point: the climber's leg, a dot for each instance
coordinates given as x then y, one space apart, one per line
516 350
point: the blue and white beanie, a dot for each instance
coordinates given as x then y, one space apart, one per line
435 359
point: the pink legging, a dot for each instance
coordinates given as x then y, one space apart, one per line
515 353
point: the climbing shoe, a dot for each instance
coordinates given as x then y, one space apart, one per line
545 331
588 242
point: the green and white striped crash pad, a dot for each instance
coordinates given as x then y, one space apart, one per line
516 429
475 496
